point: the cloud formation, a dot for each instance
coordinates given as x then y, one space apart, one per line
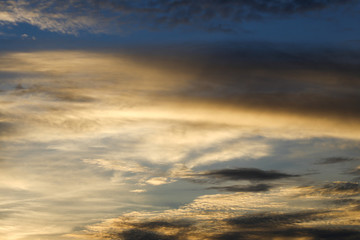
205 218
334 189
274 220
131 123
292 233
261 87
71 17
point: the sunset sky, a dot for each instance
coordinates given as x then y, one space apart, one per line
179 119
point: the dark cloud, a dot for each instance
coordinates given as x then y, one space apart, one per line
312 82
335 189
159 13
183 12
276 220
292 233
342 187
267 225
357 208
239 188
166 224
332 160
139 234
285 225
161 229
251 174
347 202
290 79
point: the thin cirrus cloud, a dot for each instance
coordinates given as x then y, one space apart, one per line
99 16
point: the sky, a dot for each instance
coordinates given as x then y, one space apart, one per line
179 119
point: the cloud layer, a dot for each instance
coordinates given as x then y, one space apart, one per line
178 143
97 16
238 216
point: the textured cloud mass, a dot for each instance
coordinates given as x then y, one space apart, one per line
222 216
270 90
73 16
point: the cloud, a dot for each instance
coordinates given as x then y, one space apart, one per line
66 95
119 165
138 190
355 171
342 187
71 17
271 220
143 118
53 16
292 233
334 189
158 181
211 85
7 129
167 224
240 188
235 216
23 36
332 160
251 174
310 83
138 234
349 203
